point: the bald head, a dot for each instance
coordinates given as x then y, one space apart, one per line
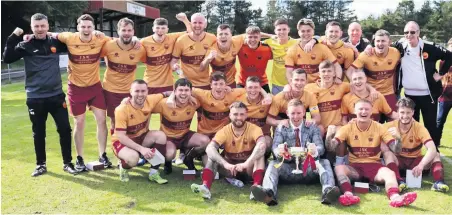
411 33
198 24
354 32
412 24
197 16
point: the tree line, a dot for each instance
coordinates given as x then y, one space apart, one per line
434 17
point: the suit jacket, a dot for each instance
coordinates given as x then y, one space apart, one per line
287 135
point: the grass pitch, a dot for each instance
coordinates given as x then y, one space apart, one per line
102 192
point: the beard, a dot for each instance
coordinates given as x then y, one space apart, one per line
139 100
238 123
124 41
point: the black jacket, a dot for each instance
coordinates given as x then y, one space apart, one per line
363 42
431 53
42 64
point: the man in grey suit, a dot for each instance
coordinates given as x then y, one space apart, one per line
297 134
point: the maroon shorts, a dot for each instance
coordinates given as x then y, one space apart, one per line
181 141
367 170
81 97
408 163
118 146
156 90
392 101
207 87
113 100
233 85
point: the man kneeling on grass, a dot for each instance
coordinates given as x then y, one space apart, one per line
243 147
132 136
365 139
297 134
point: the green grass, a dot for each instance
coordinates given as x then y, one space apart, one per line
102 192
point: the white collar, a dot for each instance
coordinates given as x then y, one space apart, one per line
294 127
406 44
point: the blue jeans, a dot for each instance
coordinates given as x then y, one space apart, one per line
443 111
276 89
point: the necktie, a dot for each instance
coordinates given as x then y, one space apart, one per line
297 138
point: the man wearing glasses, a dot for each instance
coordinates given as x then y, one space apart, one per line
419 77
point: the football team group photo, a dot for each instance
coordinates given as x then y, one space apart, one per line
209 117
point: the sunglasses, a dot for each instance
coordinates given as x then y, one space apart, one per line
409 32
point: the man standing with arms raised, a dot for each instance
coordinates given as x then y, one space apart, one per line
44 88
191 50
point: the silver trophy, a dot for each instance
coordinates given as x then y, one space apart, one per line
299 153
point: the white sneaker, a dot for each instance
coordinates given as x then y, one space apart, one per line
180 159
201 189
235 182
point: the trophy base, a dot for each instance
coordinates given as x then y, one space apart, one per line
297 171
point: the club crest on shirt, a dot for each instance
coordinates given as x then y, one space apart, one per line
191 48
233 142
116 54
411 139
332 93
339 55
166 46
245 55
390 61
188 113
371 139
212 105
313 56
152 48
92 46
245 141
206 46
222 58
356 137
259 57
375 63
261 110
317 95
425 55
299 55
145 113
226 104
173 113
132 56
53 49
76 46
132 116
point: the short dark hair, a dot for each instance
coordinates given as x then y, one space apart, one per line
364 101
280 21
160 21
38 16
333 23
295 103
216 76
125 21
85 17
299 72
224 26
254 79
406 102
326 64
238 105
183 82
139 81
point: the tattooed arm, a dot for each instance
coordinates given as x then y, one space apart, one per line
259 151
212 153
